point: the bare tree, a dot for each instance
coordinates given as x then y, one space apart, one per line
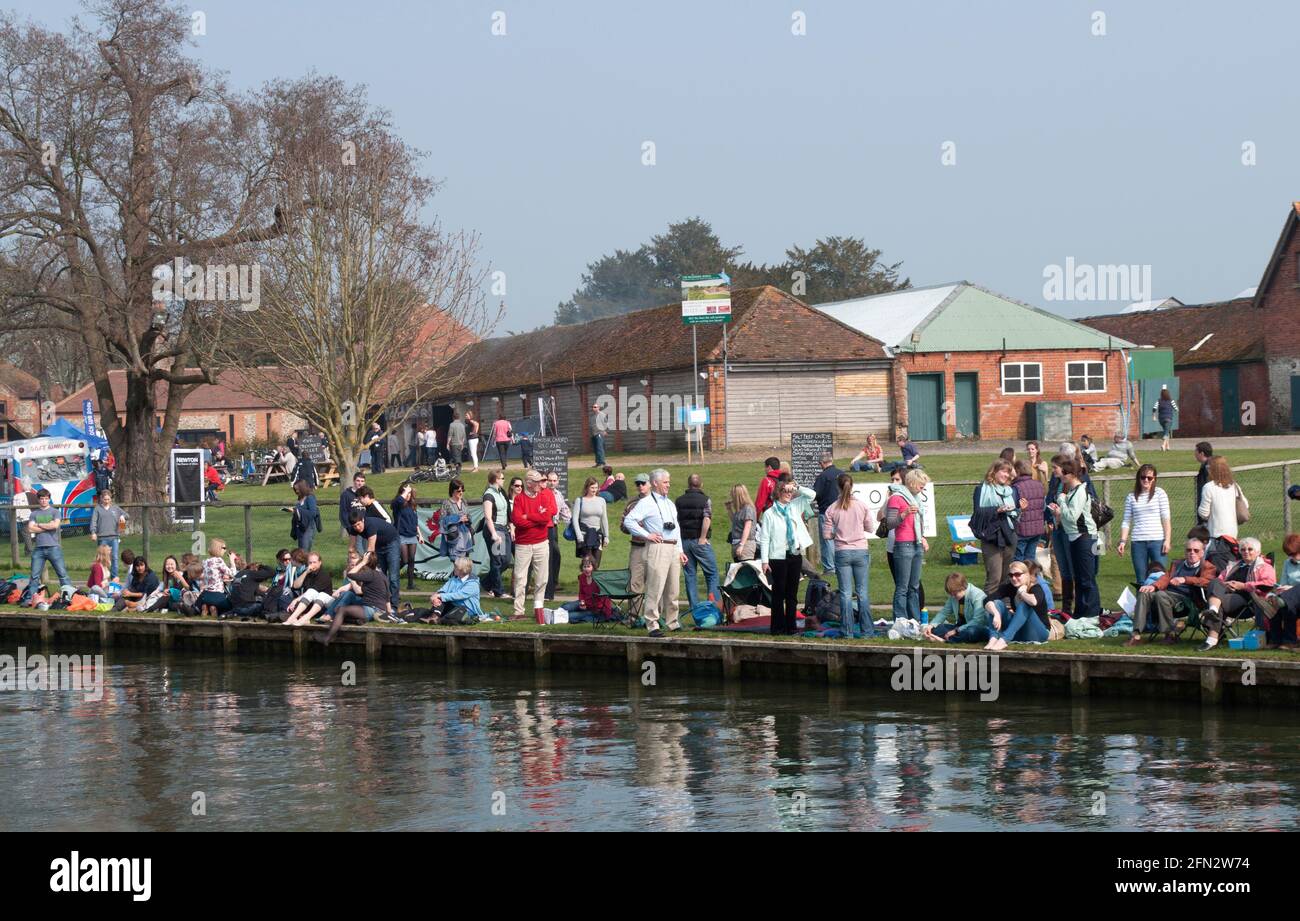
118 155
362 301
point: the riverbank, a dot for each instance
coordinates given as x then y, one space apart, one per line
1072 668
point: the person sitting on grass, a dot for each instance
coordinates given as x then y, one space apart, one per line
140 586
174 585
313 602
1027 621
963 618
369 599
217 573
458 599
97 584
1236 587
591 605
870 458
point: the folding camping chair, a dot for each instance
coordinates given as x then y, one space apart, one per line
613 584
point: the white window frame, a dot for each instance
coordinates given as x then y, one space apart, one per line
1021 365
1086 375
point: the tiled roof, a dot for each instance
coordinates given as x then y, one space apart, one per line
1203 334
226 394
767 325
18 382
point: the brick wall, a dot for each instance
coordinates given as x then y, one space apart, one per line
1003 416
1280 306
1200 399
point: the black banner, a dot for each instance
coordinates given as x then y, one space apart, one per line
187 484
313 446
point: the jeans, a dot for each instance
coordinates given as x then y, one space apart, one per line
115 543
1027 549
391 557
1061 544
701 552
598 448
306 538
907 580
827 547
966 633
376 460
1144 551
1021 625
853 570
41 556
1087 599
865 467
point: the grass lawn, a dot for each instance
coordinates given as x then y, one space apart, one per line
271 527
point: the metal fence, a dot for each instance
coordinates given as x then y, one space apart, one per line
1264 485
145 533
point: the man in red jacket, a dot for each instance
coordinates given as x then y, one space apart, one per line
764 498
531 514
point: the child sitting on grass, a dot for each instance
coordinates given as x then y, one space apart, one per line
591 605
963 618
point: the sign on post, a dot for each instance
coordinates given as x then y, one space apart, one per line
551 454
805 454
186 485
313 447
706 298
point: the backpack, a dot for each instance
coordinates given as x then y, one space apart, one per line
706 614
813 595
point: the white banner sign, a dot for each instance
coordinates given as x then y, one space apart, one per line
875 495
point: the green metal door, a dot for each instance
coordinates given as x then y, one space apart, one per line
968 404
924 412
1228 390
1295 401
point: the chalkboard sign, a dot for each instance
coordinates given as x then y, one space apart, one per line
313 447
806 452
551 453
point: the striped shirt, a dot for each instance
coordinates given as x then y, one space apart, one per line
1145 516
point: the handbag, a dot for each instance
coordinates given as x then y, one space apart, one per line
569 532
1243 507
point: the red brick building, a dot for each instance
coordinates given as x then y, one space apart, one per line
1238 361
225 408
971 363
20 403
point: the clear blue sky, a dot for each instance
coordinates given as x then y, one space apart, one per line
1125 148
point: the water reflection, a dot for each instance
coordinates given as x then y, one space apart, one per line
265 744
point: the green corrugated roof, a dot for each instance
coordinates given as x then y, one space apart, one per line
974 319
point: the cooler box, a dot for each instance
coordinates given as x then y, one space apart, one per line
965 548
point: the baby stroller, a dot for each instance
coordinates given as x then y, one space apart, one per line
745 584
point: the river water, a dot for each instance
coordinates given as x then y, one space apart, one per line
250 743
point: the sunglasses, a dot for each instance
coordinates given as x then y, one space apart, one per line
1146 479
1016 574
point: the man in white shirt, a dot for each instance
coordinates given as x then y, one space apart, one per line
654 519
430 445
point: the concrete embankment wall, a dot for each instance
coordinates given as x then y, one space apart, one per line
1212 681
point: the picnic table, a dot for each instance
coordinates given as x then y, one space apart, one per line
275 470
328 473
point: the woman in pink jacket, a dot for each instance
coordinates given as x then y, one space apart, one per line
1231 593
848 522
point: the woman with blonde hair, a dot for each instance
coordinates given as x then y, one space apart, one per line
743 536
97 584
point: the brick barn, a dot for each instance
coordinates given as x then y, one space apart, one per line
788 368
972 363
225 408
1237 361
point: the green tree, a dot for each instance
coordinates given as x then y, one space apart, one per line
837 269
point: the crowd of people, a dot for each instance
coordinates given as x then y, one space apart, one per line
1038 522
